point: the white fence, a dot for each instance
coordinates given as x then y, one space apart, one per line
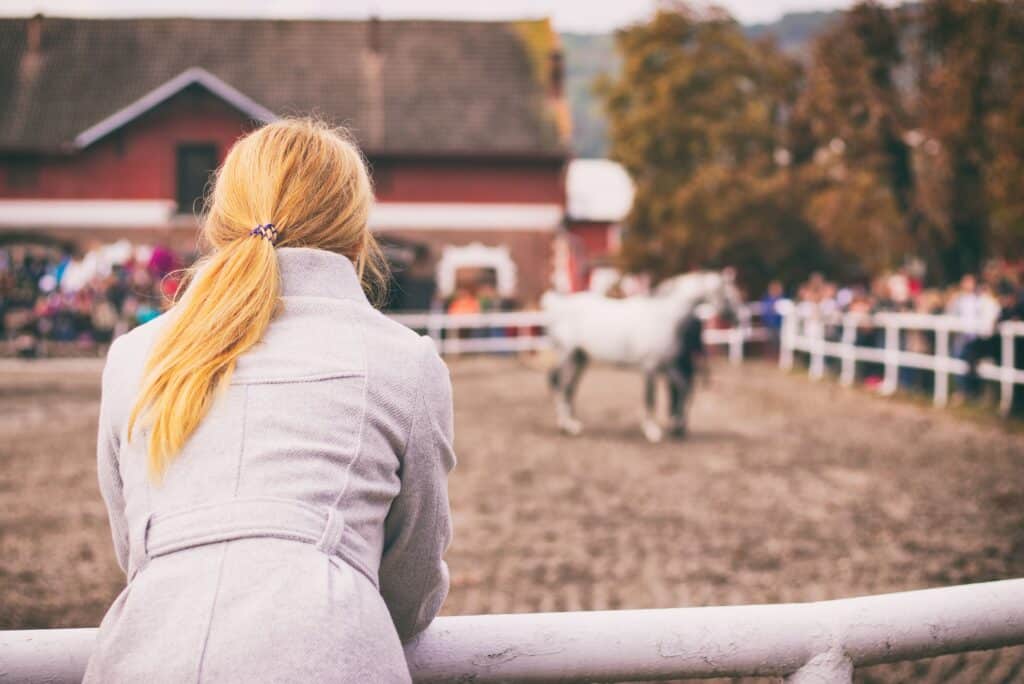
809 642
516 331
805 642
805 329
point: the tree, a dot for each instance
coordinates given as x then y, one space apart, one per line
849 134
909 132
903 137
972 80
696 116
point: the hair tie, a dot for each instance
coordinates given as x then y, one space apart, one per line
266 231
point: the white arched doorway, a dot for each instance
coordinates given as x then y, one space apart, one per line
476 255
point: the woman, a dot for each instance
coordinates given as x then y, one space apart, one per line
273 451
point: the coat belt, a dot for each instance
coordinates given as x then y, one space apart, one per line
160 534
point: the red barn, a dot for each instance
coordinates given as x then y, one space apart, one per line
600 195
110 127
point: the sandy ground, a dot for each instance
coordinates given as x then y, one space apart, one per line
786 490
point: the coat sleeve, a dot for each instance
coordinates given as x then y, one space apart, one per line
413 574
107 449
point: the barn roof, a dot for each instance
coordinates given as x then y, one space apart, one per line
403 87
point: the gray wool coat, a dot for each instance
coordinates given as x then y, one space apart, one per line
298 536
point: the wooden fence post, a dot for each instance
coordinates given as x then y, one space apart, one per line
891 380
941 395
788 332
817 364
736 336
848 373
1006 372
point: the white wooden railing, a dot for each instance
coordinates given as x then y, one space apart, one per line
809 642
805 642
516 331
805 329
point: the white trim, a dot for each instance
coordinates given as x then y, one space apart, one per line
476 255
86 213
465 216
49 213
163 92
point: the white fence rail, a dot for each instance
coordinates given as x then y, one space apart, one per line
809 642
804 642
516 331
807 330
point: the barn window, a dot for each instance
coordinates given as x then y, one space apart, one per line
195 164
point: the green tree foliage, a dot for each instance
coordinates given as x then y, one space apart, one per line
590 55
971 71
902 136
924 103
847 137
694 117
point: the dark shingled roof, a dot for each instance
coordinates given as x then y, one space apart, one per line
429 87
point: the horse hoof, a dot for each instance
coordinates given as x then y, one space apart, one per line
652 432
573 428
678 432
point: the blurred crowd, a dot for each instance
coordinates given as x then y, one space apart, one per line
978 302
979 299
52 304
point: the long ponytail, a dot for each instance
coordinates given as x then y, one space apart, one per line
309 181
225 312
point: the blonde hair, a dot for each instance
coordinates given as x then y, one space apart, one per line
311 183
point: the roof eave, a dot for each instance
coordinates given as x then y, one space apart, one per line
559 155
168 89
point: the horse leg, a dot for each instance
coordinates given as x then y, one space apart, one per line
557 376
680 388
574 363
649 423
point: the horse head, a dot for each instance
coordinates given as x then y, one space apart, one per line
714 290
726 299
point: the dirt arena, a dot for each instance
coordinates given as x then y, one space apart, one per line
786 490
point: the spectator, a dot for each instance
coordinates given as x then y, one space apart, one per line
51 303
464 302
1011 308
770 316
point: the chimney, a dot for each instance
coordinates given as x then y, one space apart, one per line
32 57
34 35
373 33
556 73
372 135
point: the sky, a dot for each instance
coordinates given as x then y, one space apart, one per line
591 16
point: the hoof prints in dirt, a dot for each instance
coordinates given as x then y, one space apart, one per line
783 490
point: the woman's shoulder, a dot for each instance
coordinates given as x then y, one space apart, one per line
124 367
402 351
132 347
382 330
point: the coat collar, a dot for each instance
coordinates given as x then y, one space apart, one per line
307 272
